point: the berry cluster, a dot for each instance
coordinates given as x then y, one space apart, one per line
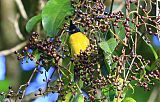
135 22
46 53
85 72
87 69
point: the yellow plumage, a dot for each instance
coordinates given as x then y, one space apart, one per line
78 42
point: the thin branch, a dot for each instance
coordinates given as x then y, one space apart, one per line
111 7
118 38
34 71
12 50
136 35
129 69
16 26
21 9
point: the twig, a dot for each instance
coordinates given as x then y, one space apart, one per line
79 88
21 9
117 37
130 68
29 82
16 26
123 61
110 13
9 51
136 35
111 7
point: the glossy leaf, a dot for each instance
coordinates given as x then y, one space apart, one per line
109 92
105 69
108 46
129 99
147 52
149 49
74 99
53 15
140 95
68 97
80 98
153 50
155 65
130 86
32 22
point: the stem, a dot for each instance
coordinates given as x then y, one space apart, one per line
79 88
11 50
21 8
28 82
129 69
117 37
111 7
136 29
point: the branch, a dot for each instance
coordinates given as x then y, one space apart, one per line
16 26
21 9
111 7
11 50
29 81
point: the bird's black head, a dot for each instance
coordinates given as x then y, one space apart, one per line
73 29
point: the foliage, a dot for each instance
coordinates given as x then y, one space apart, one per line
114 62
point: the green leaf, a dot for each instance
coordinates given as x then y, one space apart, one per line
4 85
68 97
153 50
109 92
53 15
140 95
130 86
71 68
74 99
149 68
105 68
108 46
155 65
80 83
149 49
81 98
97 100
32 22
120 31
117 100
129 99
142 73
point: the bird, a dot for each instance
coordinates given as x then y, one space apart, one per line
77 40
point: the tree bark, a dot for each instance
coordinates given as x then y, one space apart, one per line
8 39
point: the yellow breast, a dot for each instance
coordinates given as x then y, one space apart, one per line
78 42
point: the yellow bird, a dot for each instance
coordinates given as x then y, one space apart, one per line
77 40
